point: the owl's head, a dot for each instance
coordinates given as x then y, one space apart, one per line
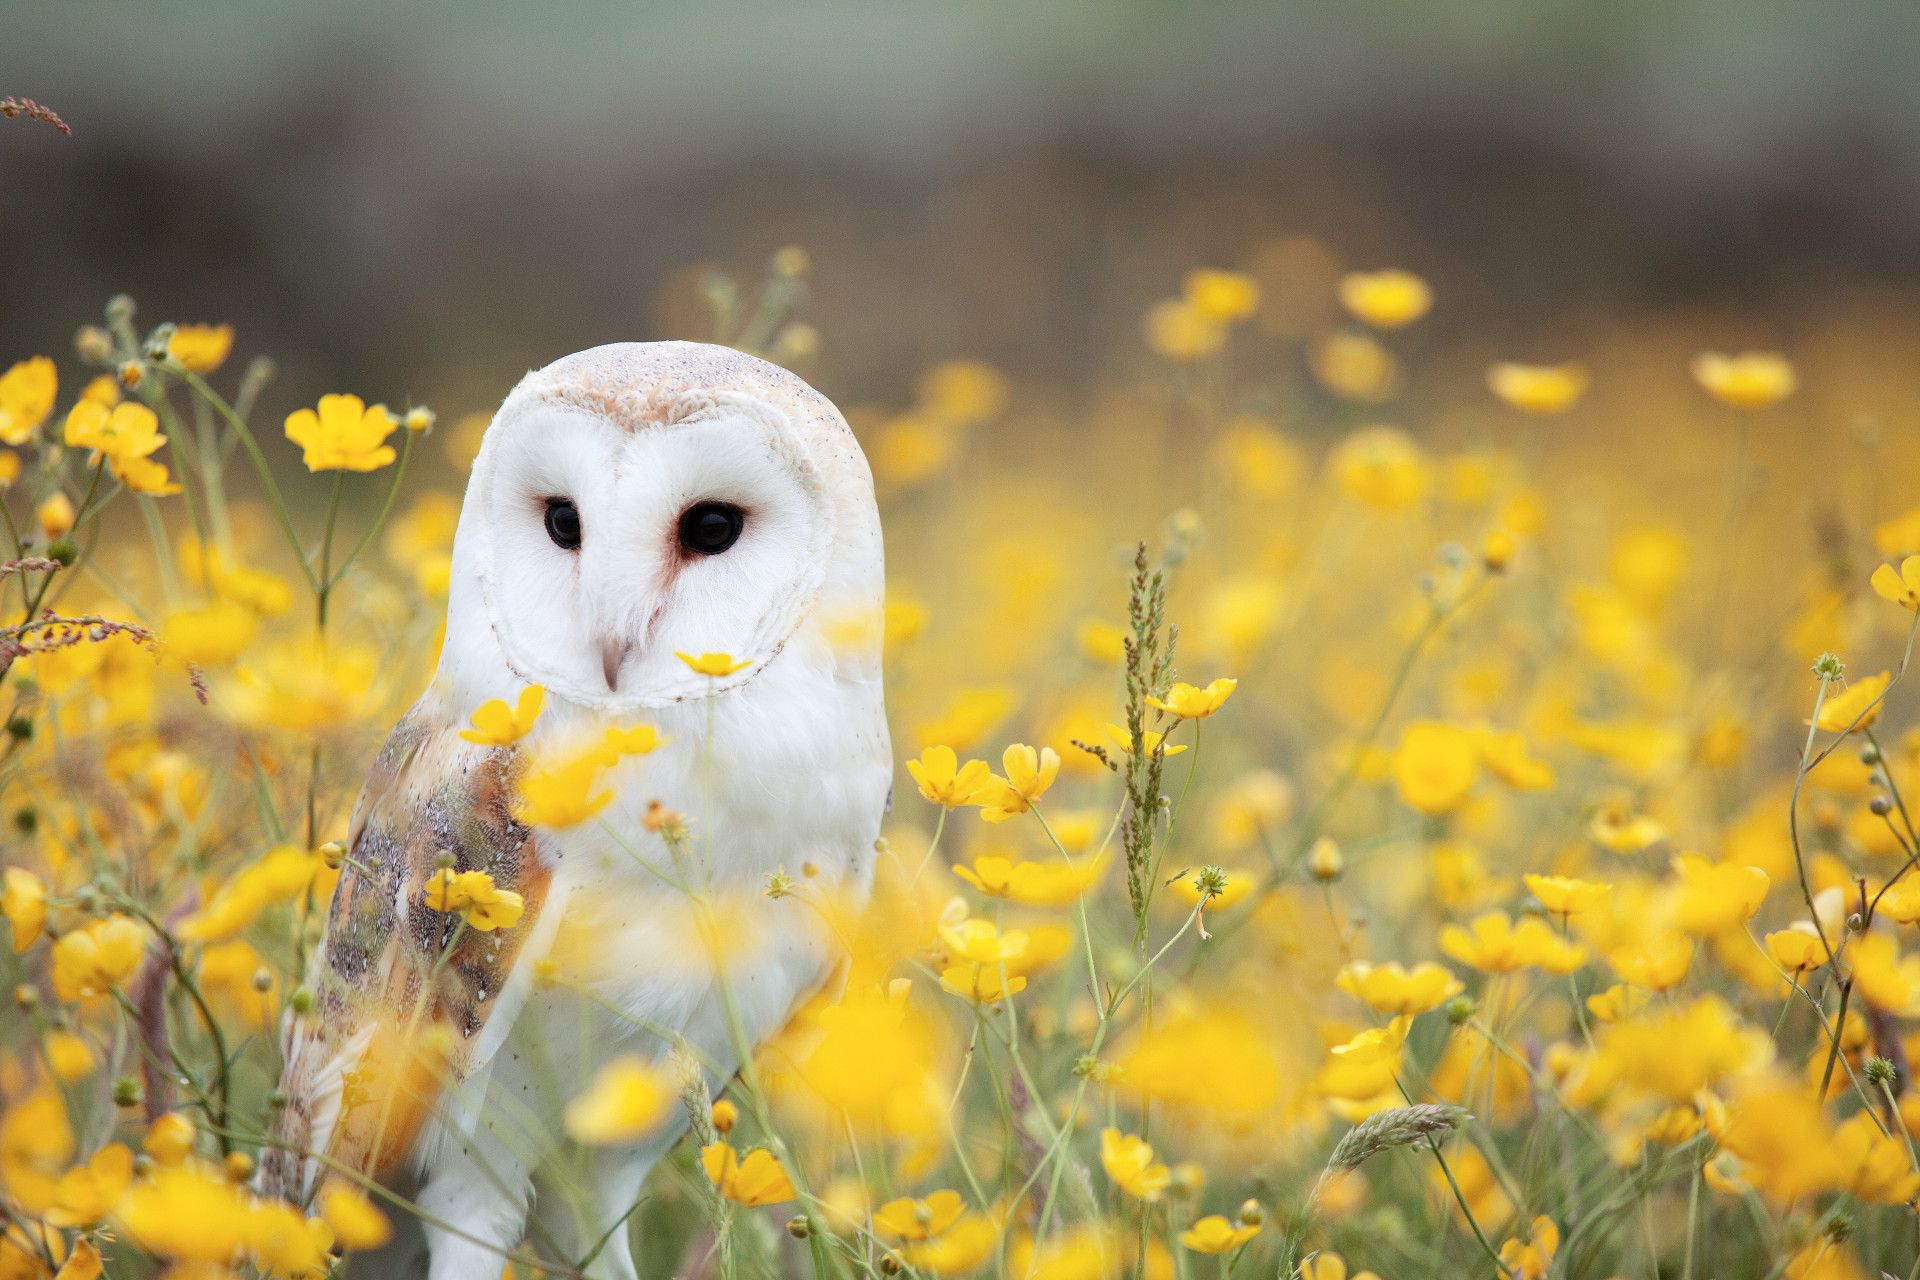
643 499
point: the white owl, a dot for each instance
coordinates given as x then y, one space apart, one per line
630 503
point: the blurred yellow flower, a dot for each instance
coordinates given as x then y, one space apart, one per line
24 904
1178 330
306 688
281 873
1390 988
1750 380
1903 587
1618 828
755 1180
497 725
1100 641
563 796
1884 977
1496 945
1797 951
1129 1162
1564 896
1185 702
1855 709
1032 884
967 718
943 780
964 392
94 960
1253 805
1029 774
641 740
1505 756
9 468
1716 897
188 1213
873 1063
627 1098
1149 741
1389 299
209 636
1356 366
356 1223
27 391
1435 766
1876 1166
1380 467
1224 296
68 1056
962 1247
475 897
1214 1234
36 1142
55 515
1660 961
88 1192
714 664
1256 459
1538 388
911 449
1214 1060
1529 1259
910 1219
169 1138
901 621
202 348
424 528
1618 1002
345 434
1363 1067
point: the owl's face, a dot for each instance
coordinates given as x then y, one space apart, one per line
615 523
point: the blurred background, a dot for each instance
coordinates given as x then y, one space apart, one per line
423 200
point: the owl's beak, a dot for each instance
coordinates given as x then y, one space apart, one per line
613 653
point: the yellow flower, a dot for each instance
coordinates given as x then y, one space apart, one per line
1235 886
1380 467
563 797
1673 1126
119 431
1129 1162
68 1056
1029 774
345 434
141 475
1538 388
911 449
943 780
1031 884
26 398
1214 1234
1390 988
961 1248
971 713
1857 708
188 1213
1618 1002
1390 299
1717 897
1178 330
1530 1259
1618 828
910 1219
627 1098
1224 296
900 622
1877 1166
55 515
24 904
641 740
756 1180
474 895
1903 588
202 348
1506 758
1364 1066
1496 945
1435 766
962 391
9 468
1324 859
714 664
84 1263
169 1138
495 725
1150 740
1660 961
1751 380
1328 1265
1797 951
1188 703
88 1192
1883 976
97 959
356 1223
1564 896
283 872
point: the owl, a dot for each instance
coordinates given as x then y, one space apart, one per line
629 504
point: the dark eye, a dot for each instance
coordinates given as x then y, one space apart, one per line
708 528
563 524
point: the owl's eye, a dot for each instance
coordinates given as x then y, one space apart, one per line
708 528
563 524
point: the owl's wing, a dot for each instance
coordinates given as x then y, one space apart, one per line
396 1009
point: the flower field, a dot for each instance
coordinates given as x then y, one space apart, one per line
1366 804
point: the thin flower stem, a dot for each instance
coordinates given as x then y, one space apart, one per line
325 588
380 517
247 442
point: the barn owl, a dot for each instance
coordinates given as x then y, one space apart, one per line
629 503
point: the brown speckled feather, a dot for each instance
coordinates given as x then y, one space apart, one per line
365 1064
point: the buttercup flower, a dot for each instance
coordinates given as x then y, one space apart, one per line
1751 380
714 664
1225 296
94 960
24 904
563 796
1529 1259
627 1099
1178 330
1902 587
1435 766
26 398
944 781
1214 1234
1391 988
1564 896
910 1219
1659 962
495 725
1797 951
201 348
1496 945
1129 1162
1032 884
1390 299
475 897
346 433
1029 774
356 1223
1855 709
1538 388
1188 703
754 1180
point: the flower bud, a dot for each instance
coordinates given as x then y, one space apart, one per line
725 1116
333 853
263 980
277 1100
26 998
127 1092
20 727
1879 1070
889 1265
418 418
1460 1009
1324 861
159 340
55 515
1187 1179
239 1167
120 309
27 820
130 372
444 860
1251 1214
1497 550
1879 806
1855 924
790 261
1870 754
799 1228
301 1000
93 344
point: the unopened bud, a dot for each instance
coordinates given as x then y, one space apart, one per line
26 998
923 1213
1460 1009
159 340
93 344
263 980
21 727
799 1228
277 1100
1855 924
1324 862
1497 550
889 1265
790 261
1251 1214
301 1000
725 1116
1870 754
333 853
1187 1178
120 309
1879 1070
239 1167
127 1092
63 551
130 373
1879 806
444 860
419 418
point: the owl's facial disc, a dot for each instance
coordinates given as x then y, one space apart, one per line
613 549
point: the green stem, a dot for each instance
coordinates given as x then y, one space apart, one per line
260 467
380 518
